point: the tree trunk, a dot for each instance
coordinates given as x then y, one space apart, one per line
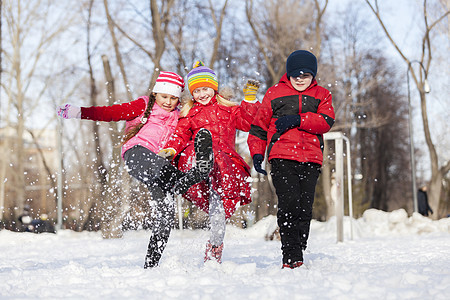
96 214
218 26
113 206
19 143
437 174
117 51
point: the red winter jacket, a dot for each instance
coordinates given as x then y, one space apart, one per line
304 143
230 175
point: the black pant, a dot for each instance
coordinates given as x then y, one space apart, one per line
295 185
159 176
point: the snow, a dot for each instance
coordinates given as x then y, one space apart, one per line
391 256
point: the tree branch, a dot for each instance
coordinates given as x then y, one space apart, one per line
139 45
117 51
248 9
377 14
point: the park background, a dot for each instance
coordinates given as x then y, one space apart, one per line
374 56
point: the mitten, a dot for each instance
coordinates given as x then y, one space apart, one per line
250 90
257 161
287 122
69 111
168 153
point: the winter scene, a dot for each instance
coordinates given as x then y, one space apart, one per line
391 256
169 149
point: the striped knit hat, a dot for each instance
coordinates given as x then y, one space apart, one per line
169 83
201 76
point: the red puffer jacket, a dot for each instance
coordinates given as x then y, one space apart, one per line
304 143
230 176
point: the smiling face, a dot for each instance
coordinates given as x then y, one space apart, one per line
166 101
203 95
301 82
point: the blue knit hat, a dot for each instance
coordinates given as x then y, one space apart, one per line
300 62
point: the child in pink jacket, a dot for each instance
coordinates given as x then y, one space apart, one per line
150 122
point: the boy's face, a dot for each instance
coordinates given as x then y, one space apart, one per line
301 82
166 101
203 95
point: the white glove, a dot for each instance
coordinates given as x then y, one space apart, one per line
69 111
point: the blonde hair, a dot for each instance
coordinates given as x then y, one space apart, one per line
223 98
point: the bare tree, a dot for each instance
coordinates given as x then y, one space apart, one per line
367 110
218 22
184 33
106 212
114 202
419 76
282 27
160 20
320 11
119 59
24 72
99 166
177 38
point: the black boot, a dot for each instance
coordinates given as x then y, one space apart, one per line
204 161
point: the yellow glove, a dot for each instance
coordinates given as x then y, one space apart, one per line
168 153
250 90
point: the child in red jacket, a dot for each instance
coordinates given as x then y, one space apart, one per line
229 182
293 116
150 122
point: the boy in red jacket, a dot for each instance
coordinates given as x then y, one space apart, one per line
293 116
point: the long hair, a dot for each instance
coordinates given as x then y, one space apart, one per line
223 98
132 131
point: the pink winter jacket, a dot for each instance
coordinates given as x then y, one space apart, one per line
153 135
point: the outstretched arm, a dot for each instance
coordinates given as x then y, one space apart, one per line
249 106
118 112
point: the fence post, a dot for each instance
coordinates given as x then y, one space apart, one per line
339 209
338 138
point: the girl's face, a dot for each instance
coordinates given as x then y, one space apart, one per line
166 101
203 95
301 82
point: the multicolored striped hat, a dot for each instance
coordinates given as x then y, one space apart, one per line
169 83
201 76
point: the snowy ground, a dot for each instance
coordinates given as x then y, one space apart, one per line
390 257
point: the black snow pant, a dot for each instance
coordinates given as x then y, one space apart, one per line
295 185
159 176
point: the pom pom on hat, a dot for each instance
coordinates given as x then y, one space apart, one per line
301 62
198 63
169 83
201 76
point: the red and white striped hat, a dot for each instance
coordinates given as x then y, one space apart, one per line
169 83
